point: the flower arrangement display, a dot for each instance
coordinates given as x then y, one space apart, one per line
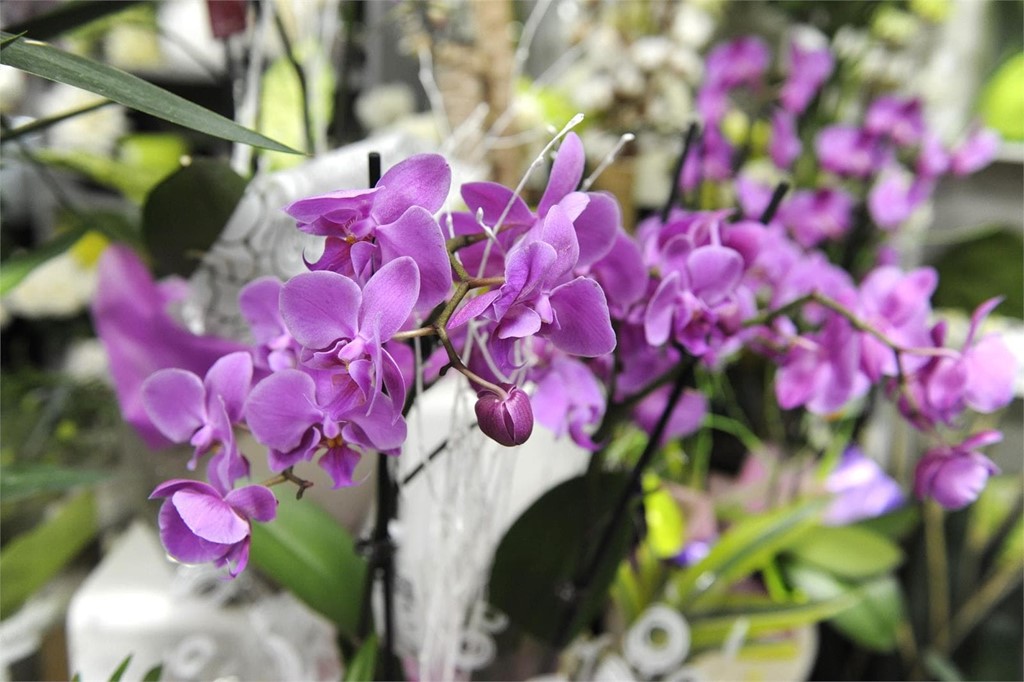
764 403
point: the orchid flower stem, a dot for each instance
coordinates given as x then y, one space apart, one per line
619 513
287 476
691 137
773 205
455 362
938 574
735 428
991 592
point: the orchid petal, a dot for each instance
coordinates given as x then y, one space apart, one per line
597 227
181 543
210 517
582 324
230 379
421 180
493 198
417 235
175 402
320 307
254 502
566 173
389 298
281 409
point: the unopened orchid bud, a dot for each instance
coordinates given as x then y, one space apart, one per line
955 476
507 419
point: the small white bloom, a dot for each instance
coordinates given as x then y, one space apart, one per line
692 26
653 180
687 63
629 81
60 287
384 104
12 87
595 94
96 132
86 361
650 52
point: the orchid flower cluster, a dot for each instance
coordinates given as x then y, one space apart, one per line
557 313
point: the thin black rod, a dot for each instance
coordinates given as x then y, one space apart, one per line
776 201
673 196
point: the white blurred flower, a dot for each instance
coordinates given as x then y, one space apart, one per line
86 360
132 46
650 52
12 87
604 47
653 181
385 104
850 43
594 94
673 103
692 26
687 63
60 287
629 81
96 132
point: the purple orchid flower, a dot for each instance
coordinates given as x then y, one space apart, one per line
368 228
200 524
974 153
932 159
738 62
821 370
955 475
569 399
595 216
506 419
901 119
338 325
686 417
538 296
296 414
897 304
895 196
849 151
131 319
785 145
260 303
814 216
202 412
862 490
809 68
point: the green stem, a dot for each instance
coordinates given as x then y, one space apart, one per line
938 574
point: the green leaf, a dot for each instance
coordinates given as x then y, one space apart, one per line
44 123
10 39
119 672
991 510
16 268
547 548
1012 551
307 551
711 631
30 560
153 674
364 663
980 268
894 525
745 548
848 552
1002 101
942 667
24 479
69 15
873 621
48 62
281 102
134 181
184 214
666 529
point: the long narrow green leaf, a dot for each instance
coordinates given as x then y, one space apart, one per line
31 478
153 674
743 549
16 268
48 62
44 123
848 552
712 631
29 561
68 16
308 552
364 663
10 39
119 672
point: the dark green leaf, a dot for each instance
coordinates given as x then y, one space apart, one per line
186 213
48 62
30 560
307 551
30 478
135 181
44 123
67 16
711 631
894 525
848 552
545 550
940 666
9 39
17 267
119 672
976 270
873 621
745 548
991 511
153 674
364 663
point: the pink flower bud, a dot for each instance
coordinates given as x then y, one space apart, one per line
507 419
955 476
